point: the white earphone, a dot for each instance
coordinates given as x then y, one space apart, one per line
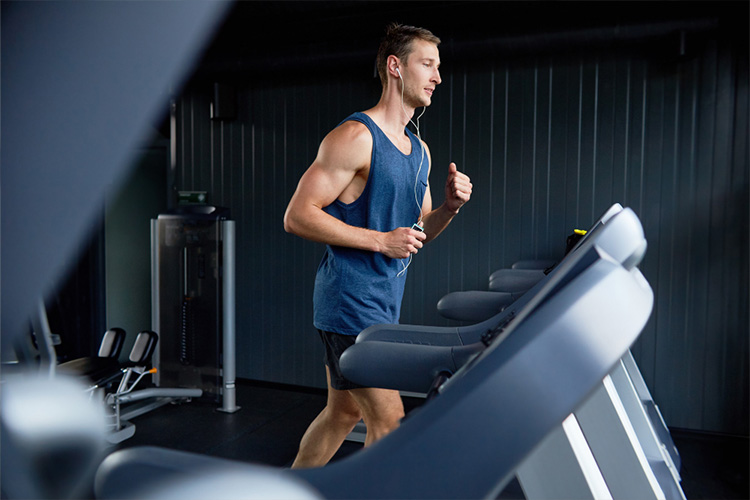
399 73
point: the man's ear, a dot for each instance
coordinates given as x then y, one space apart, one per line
393 63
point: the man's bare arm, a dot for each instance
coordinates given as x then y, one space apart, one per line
342 155
458 189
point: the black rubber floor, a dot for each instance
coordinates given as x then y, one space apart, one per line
266 430
272 419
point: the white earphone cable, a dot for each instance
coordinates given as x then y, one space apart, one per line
419 170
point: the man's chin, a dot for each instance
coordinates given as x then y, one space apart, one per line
420 103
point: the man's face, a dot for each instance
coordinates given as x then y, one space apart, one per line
421 74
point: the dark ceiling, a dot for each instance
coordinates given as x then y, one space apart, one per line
271 37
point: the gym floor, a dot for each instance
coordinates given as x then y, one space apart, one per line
272 419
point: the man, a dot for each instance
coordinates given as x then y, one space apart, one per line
367 197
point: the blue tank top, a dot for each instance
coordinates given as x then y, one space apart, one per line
355 289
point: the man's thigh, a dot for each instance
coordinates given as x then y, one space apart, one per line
335 344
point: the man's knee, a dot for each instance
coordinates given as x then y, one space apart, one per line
385 420
344 416
394 417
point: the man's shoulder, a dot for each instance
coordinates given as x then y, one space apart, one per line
350 131
348 145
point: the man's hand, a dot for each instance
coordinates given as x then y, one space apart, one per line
457 189
401 242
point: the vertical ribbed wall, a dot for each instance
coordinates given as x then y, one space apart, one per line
549 143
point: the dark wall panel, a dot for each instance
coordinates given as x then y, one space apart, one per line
550 142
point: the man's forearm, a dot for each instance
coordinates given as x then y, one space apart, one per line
321 227
437 220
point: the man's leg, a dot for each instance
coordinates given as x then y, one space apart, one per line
329 429
382 411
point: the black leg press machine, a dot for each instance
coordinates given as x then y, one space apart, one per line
545 391
193 309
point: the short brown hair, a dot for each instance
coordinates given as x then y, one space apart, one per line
397 42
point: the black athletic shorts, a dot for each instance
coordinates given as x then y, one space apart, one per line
335 344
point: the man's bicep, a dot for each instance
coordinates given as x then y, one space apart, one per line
427 201
340 157
321 184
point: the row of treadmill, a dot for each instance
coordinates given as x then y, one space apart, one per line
540 386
